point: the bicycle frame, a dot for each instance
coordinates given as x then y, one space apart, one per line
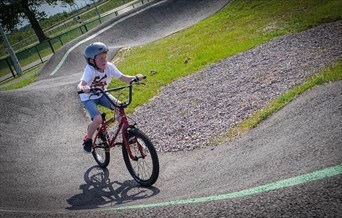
123 125
138 152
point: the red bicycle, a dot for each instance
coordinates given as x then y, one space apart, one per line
138 152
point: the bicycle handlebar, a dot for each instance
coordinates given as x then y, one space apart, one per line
96 90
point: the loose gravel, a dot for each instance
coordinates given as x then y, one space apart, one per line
193 111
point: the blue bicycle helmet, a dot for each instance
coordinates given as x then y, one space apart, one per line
94 49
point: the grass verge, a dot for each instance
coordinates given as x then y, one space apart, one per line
238 27
24 80
332 74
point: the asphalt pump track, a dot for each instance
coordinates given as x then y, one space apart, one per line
44 172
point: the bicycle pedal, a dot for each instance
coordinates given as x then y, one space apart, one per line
102 136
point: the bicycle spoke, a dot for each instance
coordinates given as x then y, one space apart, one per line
101 152
144 164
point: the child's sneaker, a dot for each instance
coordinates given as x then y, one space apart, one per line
87 144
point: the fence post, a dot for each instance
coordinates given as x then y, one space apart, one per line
53 51
59 37
85 27
9 66
38 54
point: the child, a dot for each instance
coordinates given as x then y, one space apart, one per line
98 73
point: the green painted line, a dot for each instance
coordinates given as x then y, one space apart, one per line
298 180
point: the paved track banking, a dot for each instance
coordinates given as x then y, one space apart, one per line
41 125
156 20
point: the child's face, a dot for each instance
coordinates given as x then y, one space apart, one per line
101 60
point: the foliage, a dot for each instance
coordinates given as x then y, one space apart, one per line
12 11
62 25
25 36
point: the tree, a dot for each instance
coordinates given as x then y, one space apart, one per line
11 12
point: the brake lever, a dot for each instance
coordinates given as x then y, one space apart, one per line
138 83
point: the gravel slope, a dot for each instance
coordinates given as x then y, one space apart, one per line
49 173
194 110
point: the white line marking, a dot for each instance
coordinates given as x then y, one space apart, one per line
98 33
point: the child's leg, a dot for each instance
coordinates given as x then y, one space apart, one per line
95 123
106 103
94 113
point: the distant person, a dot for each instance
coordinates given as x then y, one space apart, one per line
98 73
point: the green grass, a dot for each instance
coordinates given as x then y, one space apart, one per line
28 47
24 80
334 73
240 26
22 83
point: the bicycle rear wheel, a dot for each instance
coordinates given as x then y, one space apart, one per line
144 167
101 152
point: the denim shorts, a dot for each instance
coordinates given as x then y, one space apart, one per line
91 105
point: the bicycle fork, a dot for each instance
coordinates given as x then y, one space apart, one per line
128 141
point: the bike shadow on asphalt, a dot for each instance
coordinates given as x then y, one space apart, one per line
99 191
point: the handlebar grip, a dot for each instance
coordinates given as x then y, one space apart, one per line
136 79
91 90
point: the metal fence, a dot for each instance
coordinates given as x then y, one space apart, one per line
39 53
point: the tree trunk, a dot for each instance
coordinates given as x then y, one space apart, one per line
34 22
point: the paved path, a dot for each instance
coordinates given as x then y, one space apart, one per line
45 174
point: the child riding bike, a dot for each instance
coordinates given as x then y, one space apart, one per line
98 73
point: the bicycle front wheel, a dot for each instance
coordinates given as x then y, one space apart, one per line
101 152
143 165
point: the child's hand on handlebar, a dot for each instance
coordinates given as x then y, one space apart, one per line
85 89
139 77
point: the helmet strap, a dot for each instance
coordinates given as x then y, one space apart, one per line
93 63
